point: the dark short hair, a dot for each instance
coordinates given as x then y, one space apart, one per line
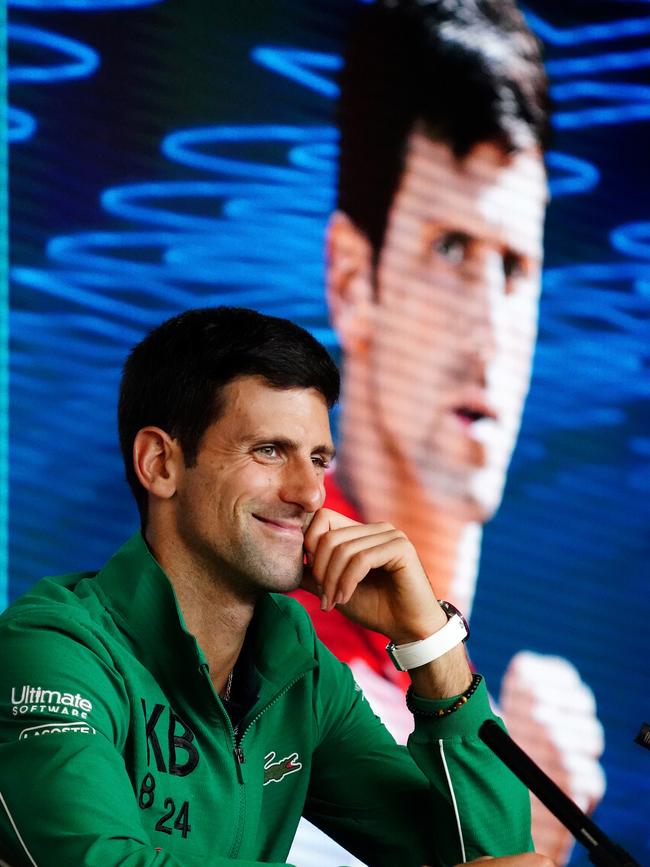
468 71
175 377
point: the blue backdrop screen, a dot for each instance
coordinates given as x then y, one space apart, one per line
173 154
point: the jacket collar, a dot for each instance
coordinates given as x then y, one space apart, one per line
141 598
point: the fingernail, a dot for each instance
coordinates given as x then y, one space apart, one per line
339 599
323 603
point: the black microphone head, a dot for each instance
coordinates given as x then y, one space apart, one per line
488 729
643 738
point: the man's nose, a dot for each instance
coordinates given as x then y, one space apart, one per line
303 485
486 291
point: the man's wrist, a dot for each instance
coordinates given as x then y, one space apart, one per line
417 653
462 723
436 643
439 708
409 634
446 677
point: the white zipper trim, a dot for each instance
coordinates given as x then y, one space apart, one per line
16 831
453 800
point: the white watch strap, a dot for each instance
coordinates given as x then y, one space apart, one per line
416 653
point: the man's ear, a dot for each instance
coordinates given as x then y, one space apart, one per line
156 459
350 288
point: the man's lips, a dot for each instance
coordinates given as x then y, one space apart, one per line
286 525
473 407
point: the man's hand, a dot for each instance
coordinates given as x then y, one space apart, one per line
372 573
551 713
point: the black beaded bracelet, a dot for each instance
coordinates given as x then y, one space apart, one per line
445 711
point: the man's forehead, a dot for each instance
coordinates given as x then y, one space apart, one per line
245 385
486 162
486 190
262 409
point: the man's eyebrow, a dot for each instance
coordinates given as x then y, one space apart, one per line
328 451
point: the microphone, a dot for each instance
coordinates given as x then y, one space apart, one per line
643 738
602 851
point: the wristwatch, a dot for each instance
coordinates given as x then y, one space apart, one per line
416 653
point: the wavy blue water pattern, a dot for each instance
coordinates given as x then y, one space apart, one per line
83 60
299 65
584 34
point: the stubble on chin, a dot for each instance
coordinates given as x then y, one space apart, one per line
272 572
284 580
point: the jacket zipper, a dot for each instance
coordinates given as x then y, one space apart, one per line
238 751
240 759
239 756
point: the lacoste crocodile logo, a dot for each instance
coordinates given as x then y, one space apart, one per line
274 771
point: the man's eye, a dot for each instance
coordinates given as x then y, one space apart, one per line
453 246
267 451
320 461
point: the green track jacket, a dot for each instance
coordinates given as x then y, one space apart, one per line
116 750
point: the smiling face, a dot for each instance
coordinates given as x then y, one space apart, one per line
242 509
444 344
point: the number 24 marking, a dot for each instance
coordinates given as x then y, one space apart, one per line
181 823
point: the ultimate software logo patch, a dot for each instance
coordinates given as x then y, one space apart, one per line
35 699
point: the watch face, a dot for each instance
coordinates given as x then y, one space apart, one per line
390 650
450 610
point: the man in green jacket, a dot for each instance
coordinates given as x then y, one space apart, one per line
175 708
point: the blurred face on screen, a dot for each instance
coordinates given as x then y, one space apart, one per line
439 337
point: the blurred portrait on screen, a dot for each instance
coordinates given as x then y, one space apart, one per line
434 262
